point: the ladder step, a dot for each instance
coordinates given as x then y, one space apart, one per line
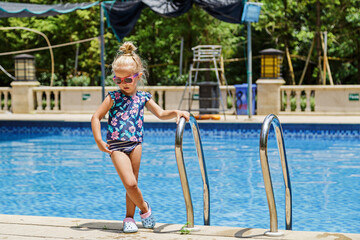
205 69
209 98
197 98
208 109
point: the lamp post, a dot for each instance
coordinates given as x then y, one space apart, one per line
25 67
250 14
22 95
268 86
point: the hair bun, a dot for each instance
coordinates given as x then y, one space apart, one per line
128 48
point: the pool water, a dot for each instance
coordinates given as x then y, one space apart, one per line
56 170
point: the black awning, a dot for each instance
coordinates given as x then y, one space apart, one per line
10 9
122 16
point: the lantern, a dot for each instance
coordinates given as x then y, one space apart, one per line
271 63
25 67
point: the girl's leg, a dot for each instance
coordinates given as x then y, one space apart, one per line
135 158
124 168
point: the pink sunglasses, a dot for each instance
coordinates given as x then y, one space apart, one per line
130 79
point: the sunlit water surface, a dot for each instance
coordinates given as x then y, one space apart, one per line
65 175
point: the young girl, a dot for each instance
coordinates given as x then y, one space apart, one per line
125 130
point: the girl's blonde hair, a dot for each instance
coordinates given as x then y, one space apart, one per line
127 59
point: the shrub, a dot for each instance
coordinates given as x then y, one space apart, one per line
81 80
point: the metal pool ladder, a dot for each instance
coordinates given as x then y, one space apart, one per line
182 172
272 119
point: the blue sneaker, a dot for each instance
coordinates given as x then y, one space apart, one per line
129 225
147 219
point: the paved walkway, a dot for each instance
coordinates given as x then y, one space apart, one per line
355 119
13 227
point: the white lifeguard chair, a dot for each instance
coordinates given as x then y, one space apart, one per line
206 58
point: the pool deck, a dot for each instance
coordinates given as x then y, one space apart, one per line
15 227
288 118
21 227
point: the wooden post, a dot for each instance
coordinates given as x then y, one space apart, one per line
324 44
307 61
290 66
326 61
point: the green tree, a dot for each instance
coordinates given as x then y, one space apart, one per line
81 24
295 24
159 41
283 24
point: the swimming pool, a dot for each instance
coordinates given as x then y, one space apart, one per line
55 169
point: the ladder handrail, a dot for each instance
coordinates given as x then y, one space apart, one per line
182 170
201 158
273 119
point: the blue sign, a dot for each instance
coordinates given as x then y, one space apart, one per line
251 12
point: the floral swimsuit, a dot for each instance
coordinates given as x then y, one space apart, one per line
125 124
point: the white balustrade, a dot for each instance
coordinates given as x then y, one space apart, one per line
298 100
288 106
5 96
160 91
50 94
308 103
161 97
338 99
297 90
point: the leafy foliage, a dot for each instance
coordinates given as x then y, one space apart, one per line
282 23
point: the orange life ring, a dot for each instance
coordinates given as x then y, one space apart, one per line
207 117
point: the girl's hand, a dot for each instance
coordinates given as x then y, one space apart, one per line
180 114
104 147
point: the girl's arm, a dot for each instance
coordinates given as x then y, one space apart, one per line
166 114
96 126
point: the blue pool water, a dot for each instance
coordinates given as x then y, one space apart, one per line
55 169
